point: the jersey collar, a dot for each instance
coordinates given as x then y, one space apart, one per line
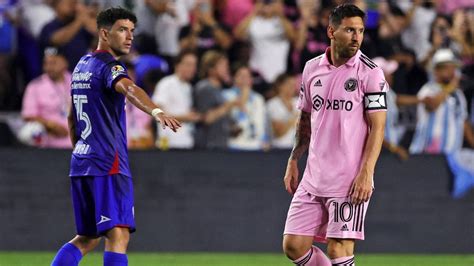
351 62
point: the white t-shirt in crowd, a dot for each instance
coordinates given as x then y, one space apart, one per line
270 47
277 111
174 96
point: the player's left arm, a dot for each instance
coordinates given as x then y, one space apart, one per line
138 97
361 189
72 126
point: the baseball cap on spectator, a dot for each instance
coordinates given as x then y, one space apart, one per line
444 56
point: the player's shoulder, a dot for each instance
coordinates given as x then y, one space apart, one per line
315 60
368 66
105 59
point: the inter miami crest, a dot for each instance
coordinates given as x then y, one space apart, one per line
350 84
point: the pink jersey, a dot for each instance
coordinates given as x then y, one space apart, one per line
49 100
338 98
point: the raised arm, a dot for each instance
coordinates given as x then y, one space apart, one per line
302 139
138 97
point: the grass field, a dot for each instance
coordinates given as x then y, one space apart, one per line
235 259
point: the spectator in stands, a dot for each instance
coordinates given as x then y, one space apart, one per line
234 11
282 112
440 37
442 117
174 95
312 39
205 32
270 34
139 127
47 100
72 30
249 115
463 33
171 16
215 129
394 131
419 16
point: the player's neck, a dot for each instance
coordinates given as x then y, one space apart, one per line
334 57
104 47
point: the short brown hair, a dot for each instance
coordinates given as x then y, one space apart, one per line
210 60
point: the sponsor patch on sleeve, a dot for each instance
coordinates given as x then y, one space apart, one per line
118 70
375 101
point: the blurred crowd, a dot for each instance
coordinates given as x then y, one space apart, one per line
230 69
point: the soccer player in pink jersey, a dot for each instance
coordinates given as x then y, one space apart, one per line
343 113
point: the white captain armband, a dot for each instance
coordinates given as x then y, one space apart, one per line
375 101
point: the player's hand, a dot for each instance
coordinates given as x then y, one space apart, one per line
361 189
168 121
291 177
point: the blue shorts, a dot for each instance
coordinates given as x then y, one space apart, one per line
102 203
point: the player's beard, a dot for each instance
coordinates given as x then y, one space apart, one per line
346 51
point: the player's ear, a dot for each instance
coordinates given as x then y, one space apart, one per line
103 34
330 32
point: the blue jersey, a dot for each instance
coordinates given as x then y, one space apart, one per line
99 117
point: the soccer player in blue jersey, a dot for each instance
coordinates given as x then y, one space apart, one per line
101 183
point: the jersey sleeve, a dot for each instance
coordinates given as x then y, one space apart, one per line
375 89
114 71
304 99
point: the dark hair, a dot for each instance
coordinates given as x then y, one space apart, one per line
282 78
106 18
344 11
235 67
180 57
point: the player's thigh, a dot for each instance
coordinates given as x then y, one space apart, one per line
345 219
307 216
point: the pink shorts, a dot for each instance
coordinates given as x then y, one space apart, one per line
324 218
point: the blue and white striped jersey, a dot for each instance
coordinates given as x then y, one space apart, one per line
441 131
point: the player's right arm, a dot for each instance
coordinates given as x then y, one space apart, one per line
138 97
302 139
72 126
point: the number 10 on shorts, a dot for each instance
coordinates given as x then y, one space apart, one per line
346 212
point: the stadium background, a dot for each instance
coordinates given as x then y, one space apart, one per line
221 207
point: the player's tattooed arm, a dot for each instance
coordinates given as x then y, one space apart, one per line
302 136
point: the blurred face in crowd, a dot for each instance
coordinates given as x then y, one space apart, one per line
268 8
65 9
243 78
287 88
445 72
347 37
186 69
119 37
222 70
54 66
